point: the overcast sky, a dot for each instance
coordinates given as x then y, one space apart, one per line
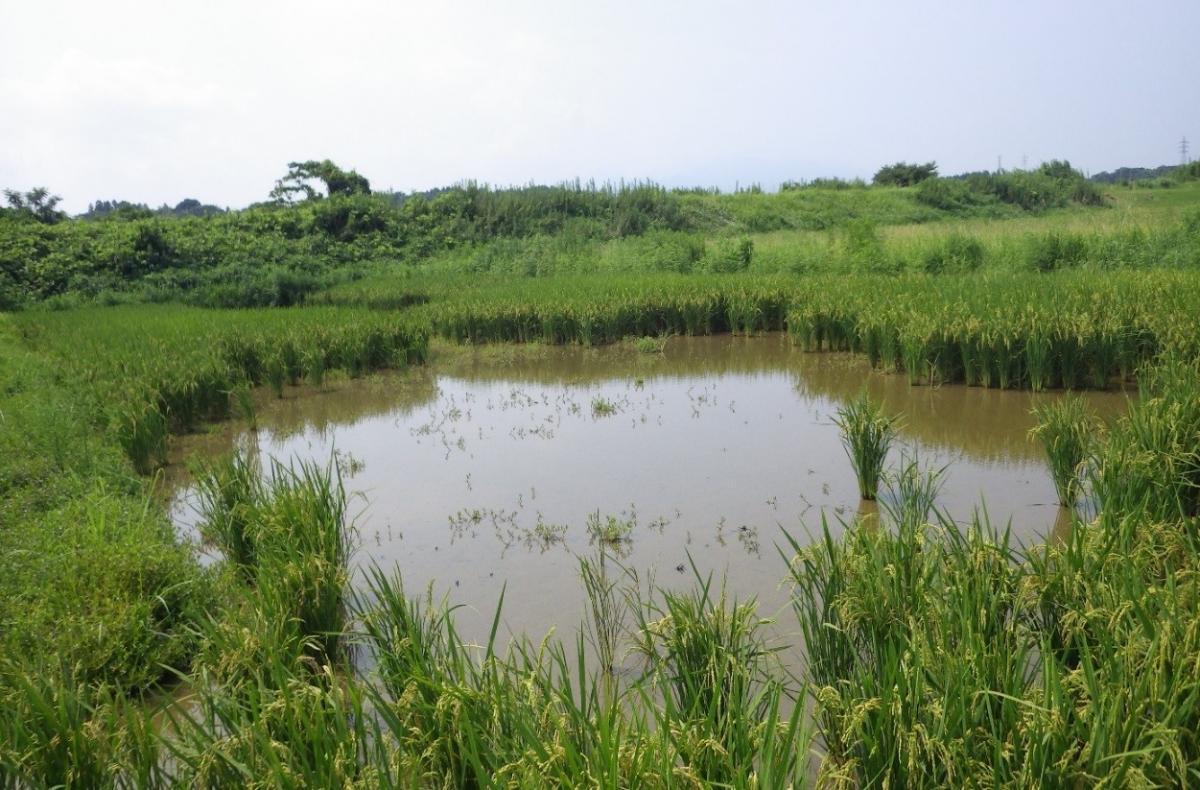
157 101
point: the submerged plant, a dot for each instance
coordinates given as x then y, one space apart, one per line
867 434
610 530
650 345
1066 427
603 407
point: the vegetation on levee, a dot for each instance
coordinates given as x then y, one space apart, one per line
92 578
936 654
280 253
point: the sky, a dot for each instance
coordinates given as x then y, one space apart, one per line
157 101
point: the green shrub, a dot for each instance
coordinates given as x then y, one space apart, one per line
1056 250
728 255
957 253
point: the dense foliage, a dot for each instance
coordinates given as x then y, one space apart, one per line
902 174
276 254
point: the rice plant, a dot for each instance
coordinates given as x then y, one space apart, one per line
275 372
243 398
57 730
606 607
867 434
912 492
708 658
231 494
1067 429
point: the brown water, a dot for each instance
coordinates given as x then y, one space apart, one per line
711 449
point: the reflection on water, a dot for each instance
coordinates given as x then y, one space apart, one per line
482 471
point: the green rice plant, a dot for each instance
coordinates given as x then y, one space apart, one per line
141 429
57 730
1066 428
276 373
1037 361
607 608
287 533
314 367
877 610
279 728
650 345
914 351
1150 465
867 434
304 544
243 398
709 660
912 492
231 496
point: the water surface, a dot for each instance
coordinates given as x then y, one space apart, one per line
478 473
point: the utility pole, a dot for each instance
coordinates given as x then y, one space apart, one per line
1024 161
1183 151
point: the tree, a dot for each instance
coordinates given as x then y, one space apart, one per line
37 204
1059 168
903 174
297 184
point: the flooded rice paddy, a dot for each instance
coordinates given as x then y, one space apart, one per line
493 469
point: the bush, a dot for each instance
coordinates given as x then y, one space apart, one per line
947 194
860 247
728 255
1056 250
957 253
903 174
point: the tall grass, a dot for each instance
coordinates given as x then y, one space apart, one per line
867 434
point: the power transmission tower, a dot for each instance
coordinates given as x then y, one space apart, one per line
1183 151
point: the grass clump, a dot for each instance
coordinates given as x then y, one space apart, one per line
867 434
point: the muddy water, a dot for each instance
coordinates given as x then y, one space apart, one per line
480 471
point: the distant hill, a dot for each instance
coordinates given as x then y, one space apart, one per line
1123 174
